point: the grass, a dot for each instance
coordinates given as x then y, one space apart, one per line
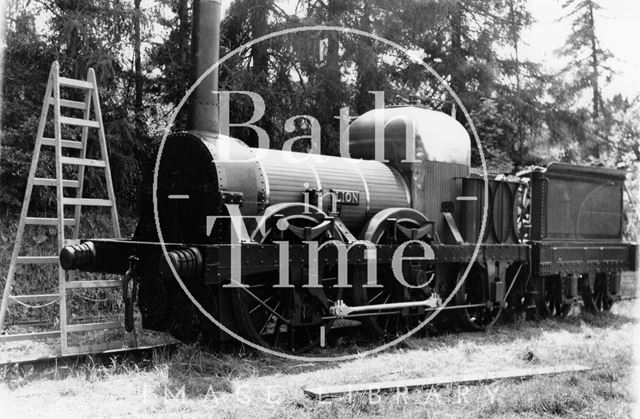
239 383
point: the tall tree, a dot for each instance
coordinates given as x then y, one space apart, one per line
589 61
582 130
520 87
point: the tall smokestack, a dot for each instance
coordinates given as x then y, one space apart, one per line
205 51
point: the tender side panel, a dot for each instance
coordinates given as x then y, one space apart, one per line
577 215
574 203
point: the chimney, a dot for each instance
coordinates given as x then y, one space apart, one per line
205 51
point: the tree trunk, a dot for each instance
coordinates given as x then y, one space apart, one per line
259 55
515 30
366 62
456 53
332 83
184 42
333 45
594 63
138 105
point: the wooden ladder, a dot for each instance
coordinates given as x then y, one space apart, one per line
66 280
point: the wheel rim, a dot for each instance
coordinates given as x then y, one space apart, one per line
475 290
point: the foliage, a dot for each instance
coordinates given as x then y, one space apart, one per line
523 113
584 133
79 35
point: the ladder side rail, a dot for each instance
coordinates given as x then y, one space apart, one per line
80 189
26 200
105 153
72 275
60 207
83 155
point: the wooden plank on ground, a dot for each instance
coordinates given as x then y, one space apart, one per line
116 349
328 391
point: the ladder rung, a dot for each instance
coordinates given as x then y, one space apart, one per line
80 84
65 143
69 103
34 297
83 162
80 122
87 202
39 260
29 336
106 283
92 326
48 221
67 183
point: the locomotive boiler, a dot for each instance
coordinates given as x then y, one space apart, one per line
288 248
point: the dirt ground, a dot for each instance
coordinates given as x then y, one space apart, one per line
243 384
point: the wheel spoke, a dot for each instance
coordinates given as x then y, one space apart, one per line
376 296
260 305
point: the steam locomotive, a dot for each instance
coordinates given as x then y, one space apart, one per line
552 236
285 248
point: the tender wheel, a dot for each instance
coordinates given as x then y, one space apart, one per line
474 292
599 299
394 226
550 298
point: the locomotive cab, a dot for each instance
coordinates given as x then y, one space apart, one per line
429 148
